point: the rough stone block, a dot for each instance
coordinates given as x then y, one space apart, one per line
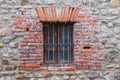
115 3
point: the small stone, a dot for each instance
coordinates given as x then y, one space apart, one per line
5 6
116 30
68 2
5 62
28 7
31 1
73 77
93 75
114 11
1 1
19 76
9 68
117 21
103 11
24 2
117 78
113 54
104 42
111 18
6 41
110 66
114 3
65 77
40 79
4 11
38 75
14 44
8 78
50 1
5 31
110 24
6 54
11 2
2 78
55 78
7 73
1 45
1 67
48 74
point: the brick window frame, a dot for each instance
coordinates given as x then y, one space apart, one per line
58 28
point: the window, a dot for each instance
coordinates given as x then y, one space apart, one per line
58 43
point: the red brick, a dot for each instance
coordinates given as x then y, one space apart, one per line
25 69
88 51
65 68
30 65
81 61
40 69
32 55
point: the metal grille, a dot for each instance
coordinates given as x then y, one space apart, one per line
58 43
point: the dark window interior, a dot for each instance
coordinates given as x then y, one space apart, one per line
58 43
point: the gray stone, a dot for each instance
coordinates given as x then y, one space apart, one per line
3 11
14 44
104 28
117 77
93 75
50 1
65 77
13 11
5 31
113 54
110 65
8 78
6 54
55 78
11 2
28 7
111 18
110 24
73 77
5 6
6 41
2 78
68 2
116 30
103 11
117 21
41 78
114 11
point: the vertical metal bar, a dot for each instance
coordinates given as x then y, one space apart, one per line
68 41
53 43
48 43
58 27
63 43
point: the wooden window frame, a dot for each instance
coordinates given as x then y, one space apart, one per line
57 46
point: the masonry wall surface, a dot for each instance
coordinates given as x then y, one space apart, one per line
15 38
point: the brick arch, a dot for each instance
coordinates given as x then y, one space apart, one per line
31 45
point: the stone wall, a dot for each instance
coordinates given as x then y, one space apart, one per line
108 36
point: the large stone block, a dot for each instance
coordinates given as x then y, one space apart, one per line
5 31
115 3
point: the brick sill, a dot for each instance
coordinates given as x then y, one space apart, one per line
64 68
